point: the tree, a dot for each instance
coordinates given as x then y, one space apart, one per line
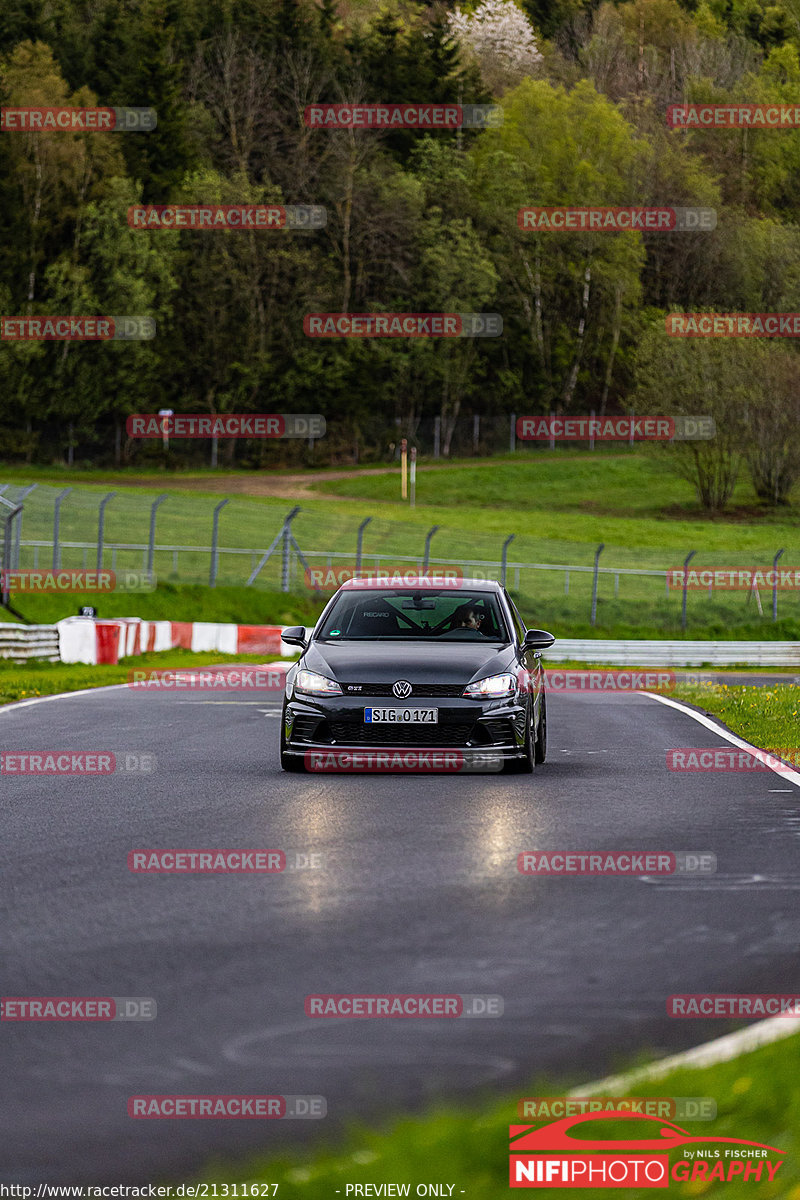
712 377
500 38
772 422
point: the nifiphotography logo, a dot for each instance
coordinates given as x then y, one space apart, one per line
557 1155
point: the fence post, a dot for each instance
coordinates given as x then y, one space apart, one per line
360 541
597 554
512 433
437 436
504 557
151 546
8 522
212 574
686 562
476 432
56 524
287 544
101 520
430 534
775 583
25 492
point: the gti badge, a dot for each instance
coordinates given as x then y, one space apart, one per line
401 689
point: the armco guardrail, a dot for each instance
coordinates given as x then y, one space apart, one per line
21 642
675 654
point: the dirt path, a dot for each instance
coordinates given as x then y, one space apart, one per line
287 487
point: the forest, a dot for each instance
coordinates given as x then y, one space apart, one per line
417 221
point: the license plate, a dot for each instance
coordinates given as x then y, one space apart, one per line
401 716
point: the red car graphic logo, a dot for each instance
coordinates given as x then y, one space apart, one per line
555 1136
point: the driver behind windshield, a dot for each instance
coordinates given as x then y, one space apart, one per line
468 617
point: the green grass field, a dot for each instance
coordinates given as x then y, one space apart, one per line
558 505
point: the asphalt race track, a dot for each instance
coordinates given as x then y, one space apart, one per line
418 891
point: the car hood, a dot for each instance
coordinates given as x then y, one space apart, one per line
418 662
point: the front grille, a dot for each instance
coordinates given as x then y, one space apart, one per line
360 733
417 689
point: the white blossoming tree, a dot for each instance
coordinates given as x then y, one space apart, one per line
500 37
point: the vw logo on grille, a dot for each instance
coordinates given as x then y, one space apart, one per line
401 689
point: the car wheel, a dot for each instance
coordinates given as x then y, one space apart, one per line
288 761
524 766
540 748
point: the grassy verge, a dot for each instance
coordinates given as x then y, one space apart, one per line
768 716
49 679
757 1097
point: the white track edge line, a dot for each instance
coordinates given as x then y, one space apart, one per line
721 1049
702 719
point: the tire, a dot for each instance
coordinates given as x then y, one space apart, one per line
524 766
540 747
288 761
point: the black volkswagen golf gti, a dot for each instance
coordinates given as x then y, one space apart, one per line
422 665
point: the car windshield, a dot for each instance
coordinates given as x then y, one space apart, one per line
403 614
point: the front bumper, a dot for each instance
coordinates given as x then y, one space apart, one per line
496 726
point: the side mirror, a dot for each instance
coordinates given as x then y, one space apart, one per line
295 635
537 639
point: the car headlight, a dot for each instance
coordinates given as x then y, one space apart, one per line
313 684
493 687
